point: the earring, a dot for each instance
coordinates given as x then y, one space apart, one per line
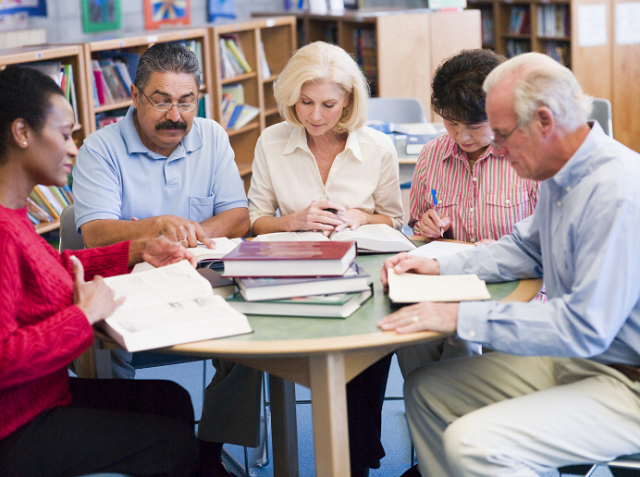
24 143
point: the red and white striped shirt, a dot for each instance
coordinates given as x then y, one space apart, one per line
484 202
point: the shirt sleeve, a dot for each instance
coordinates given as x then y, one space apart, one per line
97 186
104 261
262 198
585 321
387 196
228 186
35 350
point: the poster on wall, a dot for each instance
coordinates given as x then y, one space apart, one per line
221 9
31 7
166 12
100 15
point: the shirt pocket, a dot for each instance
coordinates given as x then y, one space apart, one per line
512 206
447 204
200 208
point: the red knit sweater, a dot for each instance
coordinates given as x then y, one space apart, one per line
41 331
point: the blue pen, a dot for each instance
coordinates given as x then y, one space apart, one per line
434 196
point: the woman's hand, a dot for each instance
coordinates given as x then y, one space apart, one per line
430 224
426 316
94 298
404 262
316 217
354 219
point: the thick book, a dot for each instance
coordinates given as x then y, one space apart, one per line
340 305
355 279
374 238
413 288
167 306
289 259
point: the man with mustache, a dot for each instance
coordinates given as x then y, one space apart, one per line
162 171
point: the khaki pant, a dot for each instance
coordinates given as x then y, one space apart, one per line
504 415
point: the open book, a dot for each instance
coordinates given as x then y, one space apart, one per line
414 288
375 238
167 306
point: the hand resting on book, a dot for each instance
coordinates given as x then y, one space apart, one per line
404 262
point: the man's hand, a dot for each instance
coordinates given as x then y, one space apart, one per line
404 262
426 316
430 224
94 298
184 231
160 252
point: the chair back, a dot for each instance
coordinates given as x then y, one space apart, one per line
70 239
602 113
396 110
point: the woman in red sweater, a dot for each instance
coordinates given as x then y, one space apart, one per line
50 424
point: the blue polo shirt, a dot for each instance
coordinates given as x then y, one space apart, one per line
117 177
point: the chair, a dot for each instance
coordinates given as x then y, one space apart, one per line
624 466
397 110
601 112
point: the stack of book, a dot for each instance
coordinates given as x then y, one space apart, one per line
235 114
316 279
46 203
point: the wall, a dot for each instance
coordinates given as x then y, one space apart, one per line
64 22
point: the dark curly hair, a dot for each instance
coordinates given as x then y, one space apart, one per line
457 93
24 93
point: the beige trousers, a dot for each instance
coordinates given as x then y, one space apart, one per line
504 415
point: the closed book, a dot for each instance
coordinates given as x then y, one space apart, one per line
253 289
339 305
413 288
167 306
415 142
289 259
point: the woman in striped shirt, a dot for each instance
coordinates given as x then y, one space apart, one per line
480 197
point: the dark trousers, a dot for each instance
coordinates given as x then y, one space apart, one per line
139 428
365 396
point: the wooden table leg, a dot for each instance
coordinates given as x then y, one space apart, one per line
329 406
284 427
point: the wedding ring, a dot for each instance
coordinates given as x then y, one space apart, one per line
415 318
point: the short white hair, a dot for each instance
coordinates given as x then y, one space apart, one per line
543 82
320 62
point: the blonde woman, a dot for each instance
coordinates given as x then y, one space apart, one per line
322 157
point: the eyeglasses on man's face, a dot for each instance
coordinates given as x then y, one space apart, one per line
164 107
498 140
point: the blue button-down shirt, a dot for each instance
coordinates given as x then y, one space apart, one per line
117 177
584 240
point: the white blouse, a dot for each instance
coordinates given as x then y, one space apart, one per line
286 176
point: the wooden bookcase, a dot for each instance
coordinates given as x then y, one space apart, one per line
408 44
608 71
278 36
139 43
67 55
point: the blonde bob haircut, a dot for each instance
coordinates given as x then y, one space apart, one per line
544 82
321 62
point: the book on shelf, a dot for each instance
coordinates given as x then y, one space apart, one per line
233 60
119 92
196 47
109 117
62 74
337 305
245 117
554 21
264 65
516 47
227 113
102 89
488 26
289 259
519 23
372 238
167 306
234 116
39 213
415 142
413 288
355 279
235 92
367 56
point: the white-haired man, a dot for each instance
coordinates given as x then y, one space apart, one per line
563 386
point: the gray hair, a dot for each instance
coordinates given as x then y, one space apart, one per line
543 82
167 58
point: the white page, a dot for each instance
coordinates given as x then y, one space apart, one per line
437 249
414 288
223 247
592 25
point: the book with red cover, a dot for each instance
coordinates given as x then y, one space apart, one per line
289 259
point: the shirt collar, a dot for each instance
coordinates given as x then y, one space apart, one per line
190 143
579 164
298 140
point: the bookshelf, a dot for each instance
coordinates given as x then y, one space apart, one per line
67 55
138 43
387 57
278 37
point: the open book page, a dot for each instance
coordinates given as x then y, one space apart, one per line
376 238
223 247
437 249
168 306
414 288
